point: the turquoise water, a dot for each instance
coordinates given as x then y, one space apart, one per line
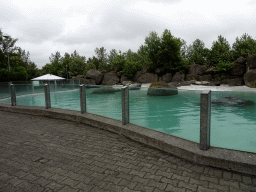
178 115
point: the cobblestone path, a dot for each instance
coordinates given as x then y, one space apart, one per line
44 154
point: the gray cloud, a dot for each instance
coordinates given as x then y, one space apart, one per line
48 26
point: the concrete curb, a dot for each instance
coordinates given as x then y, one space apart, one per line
239 161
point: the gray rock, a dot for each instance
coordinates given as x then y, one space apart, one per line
197 69
241 60
250 78
87 81
105 90
178 77
162 89
94 74
157 71
251 61
231 101
111 78
238 69
190 77
167 77
205 77
148 78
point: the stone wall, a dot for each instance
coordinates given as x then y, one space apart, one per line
243 72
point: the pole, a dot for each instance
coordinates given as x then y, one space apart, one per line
205 119
47 96
125 105
83 99
13 95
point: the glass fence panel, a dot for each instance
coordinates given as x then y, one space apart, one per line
177 115
233 120
30 95
66 96
104 101
4 90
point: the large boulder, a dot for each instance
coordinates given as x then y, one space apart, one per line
87 81
148 78
251 61
205 77
196 69
157 71
145 69
79 76
103 72
134 86
241 60
231 101
238 81
111 78
190 77
211 70
94 74
167 77
178 77
124 78
137 75
250 78
162 89
238 69
105 90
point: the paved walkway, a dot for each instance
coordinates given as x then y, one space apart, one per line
44 154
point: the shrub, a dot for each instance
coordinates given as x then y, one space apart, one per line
224 66
131 68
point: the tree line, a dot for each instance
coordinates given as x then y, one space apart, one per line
166 52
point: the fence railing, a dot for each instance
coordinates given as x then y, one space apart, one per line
205 109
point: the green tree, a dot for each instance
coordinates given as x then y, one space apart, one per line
152 48
132 65
169 57
220 52
119 61
102 57
197 53
19 74
183 49
112 54
7 45
78 65
244 46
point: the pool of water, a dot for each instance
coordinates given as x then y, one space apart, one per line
178 115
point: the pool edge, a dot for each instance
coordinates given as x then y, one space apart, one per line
239 161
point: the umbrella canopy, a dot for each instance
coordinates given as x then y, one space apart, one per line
47 77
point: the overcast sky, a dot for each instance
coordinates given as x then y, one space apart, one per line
44 27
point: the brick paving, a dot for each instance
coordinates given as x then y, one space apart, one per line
44 154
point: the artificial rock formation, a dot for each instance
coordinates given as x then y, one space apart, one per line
105 90
162 89
241 73
111 78
94 74
234 101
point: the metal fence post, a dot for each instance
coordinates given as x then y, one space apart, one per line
9 87
205 119
125 105
83 99
33 90
13 95
47 96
